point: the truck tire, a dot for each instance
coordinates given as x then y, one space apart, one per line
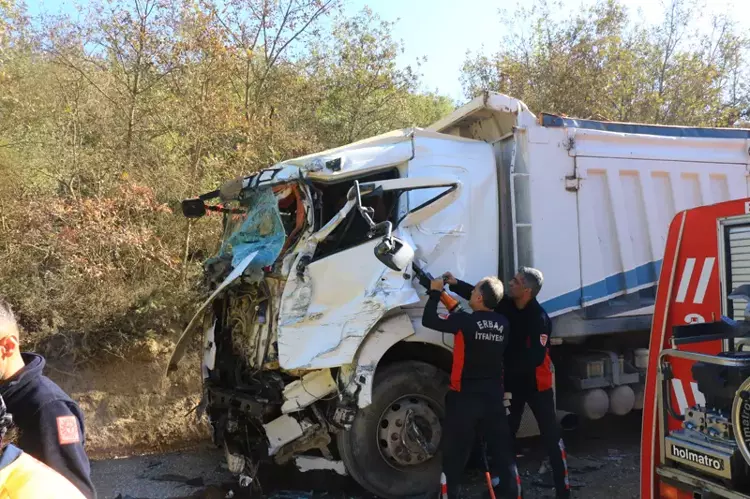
379 451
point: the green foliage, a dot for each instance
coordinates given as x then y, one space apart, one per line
360 89
602 63
6 10
108 122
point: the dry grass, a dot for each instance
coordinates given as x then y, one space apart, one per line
131 408
90 278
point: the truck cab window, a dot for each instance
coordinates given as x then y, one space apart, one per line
353 231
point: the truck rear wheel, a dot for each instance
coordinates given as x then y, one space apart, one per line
392 448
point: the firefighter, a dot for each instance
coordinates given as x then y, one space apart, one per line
528 367
50 423
475 396
22 476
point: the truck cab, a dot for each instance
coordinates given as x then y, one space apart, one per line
313 347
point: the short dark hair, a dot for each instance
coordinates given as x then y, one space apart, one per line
492 291
533 279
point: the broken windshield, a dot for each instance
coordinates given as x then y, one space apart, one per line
259 230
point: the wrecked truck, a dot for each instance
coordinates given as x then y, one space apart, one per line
310 290
313 348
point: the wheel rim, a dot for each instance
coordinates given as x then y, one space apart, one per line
409 431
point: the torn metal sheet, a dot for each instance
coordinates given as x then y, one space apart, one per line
312 242
187 334
283 430
330 305
313 463
308 389
326 313
386 334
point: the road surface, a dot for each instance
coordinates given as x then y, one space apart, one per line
603 462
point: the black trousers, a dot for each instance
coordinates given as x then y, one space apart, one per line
542 404
465 415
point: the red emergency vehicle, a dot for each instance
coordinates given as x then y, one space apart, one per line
696 415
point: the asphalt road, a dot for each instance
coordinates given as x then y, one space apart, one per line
603 462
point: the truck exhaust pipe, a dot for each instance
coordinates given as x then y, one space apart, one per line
591 404
567 420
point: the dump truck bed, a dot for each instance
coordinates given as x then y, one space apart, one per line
589 202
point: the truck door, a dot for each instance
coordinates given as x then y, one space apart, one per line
330 304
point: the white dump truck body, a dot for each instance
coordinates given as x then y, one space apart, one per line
310 340
589 203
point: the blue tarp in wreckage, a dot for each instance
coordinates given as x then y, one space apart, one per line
260 230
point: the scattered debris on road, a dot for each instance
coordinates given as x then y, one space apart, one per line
602 463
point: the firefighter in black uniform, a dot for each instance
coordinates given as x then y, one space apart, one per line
49 422
475 395
528 367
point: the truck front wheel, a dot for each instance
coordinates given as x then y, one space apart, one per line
392 448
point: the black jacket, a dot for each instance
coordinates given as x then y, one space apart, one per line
50 423
528 366
478 346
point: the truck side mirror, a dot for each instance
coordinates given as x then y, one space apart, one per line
193 208
394 253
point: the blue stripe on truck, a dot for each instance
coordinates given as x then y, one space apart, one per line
554 121
615 284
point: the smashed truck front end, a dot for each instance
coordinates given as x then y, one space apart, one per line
244 387
306 294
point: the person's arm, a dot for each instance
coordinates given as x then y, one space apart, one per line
461 288
539 334
431 319
61 437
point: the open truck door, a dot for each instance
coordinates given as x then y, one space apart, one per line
696 414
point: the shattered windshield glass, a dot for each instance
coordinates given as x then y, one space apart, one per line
261 230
